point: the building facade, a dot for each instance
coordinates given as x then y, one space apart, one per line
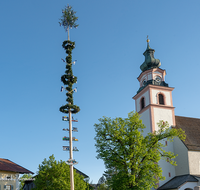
9 174
154 102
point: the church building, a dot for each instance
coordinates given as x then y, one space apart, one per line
154 102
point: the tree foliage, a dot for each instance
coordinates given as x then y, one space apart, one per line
23 178
68 19
130 158
101 180
102 187
54 174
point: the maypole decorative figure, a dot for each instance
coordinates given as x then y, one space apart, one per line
68 21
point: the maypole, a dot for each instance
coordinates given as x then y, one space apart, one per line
68 21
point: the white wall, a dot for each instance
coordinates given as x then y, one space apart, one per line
182 167
149 77
166 166
188 185
165 115
162 114
156 73
145 117
194 162
167 96
146 97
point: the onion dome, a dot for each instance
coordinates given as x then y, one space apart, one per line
150 62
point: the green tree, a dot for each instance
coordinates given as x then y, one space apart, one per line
102 183
102 187
68 19
54 174
130 158
89 186
101 180
23 178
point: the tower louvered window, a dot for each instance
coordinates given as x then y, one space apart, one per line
161 99
142 103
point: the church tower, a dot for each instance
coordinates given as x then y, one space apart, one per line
153 102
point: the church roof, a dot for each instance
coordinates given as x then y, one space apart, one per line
191 126
177 181
7 165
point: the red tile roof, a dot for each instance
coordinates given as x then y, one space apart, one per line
191 126
7 165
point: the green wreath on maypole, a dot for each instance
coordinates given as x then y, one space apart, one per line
68 21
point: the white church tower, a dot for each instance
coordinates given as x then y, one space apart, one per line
153 102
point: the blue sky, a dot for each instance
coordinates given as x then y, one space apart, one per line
110 42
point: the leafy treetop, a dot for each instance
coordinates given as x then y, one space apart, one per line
68 19
24 177
129 157
54 174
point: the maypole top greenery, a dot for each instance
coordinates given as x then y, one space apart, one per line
68 21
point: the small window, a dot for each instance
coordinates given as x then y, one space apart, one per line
142 103
169 174
8 187
8 177
161 99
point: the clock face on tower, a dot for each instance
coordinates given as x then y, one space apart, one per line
144 82
158 79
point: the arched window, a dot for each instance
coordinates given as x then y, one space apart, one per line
142 103
161 99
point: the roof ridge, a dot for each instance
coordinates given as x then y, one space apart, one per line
187 117
8 165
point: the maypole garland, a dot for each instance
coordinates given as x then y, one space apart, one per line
68 21
69 79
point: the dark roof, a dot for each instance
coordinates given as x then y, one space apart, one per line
81 173
177 181
191 126
7 165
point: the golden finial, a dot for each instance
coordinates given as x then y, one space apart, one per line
148 39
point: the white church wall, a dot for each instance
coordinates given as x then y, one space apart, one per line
165 115
146 97
144 77
149 77
162 114
145 117
167 96
156 73
182 158
167 168
188 185
194 162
